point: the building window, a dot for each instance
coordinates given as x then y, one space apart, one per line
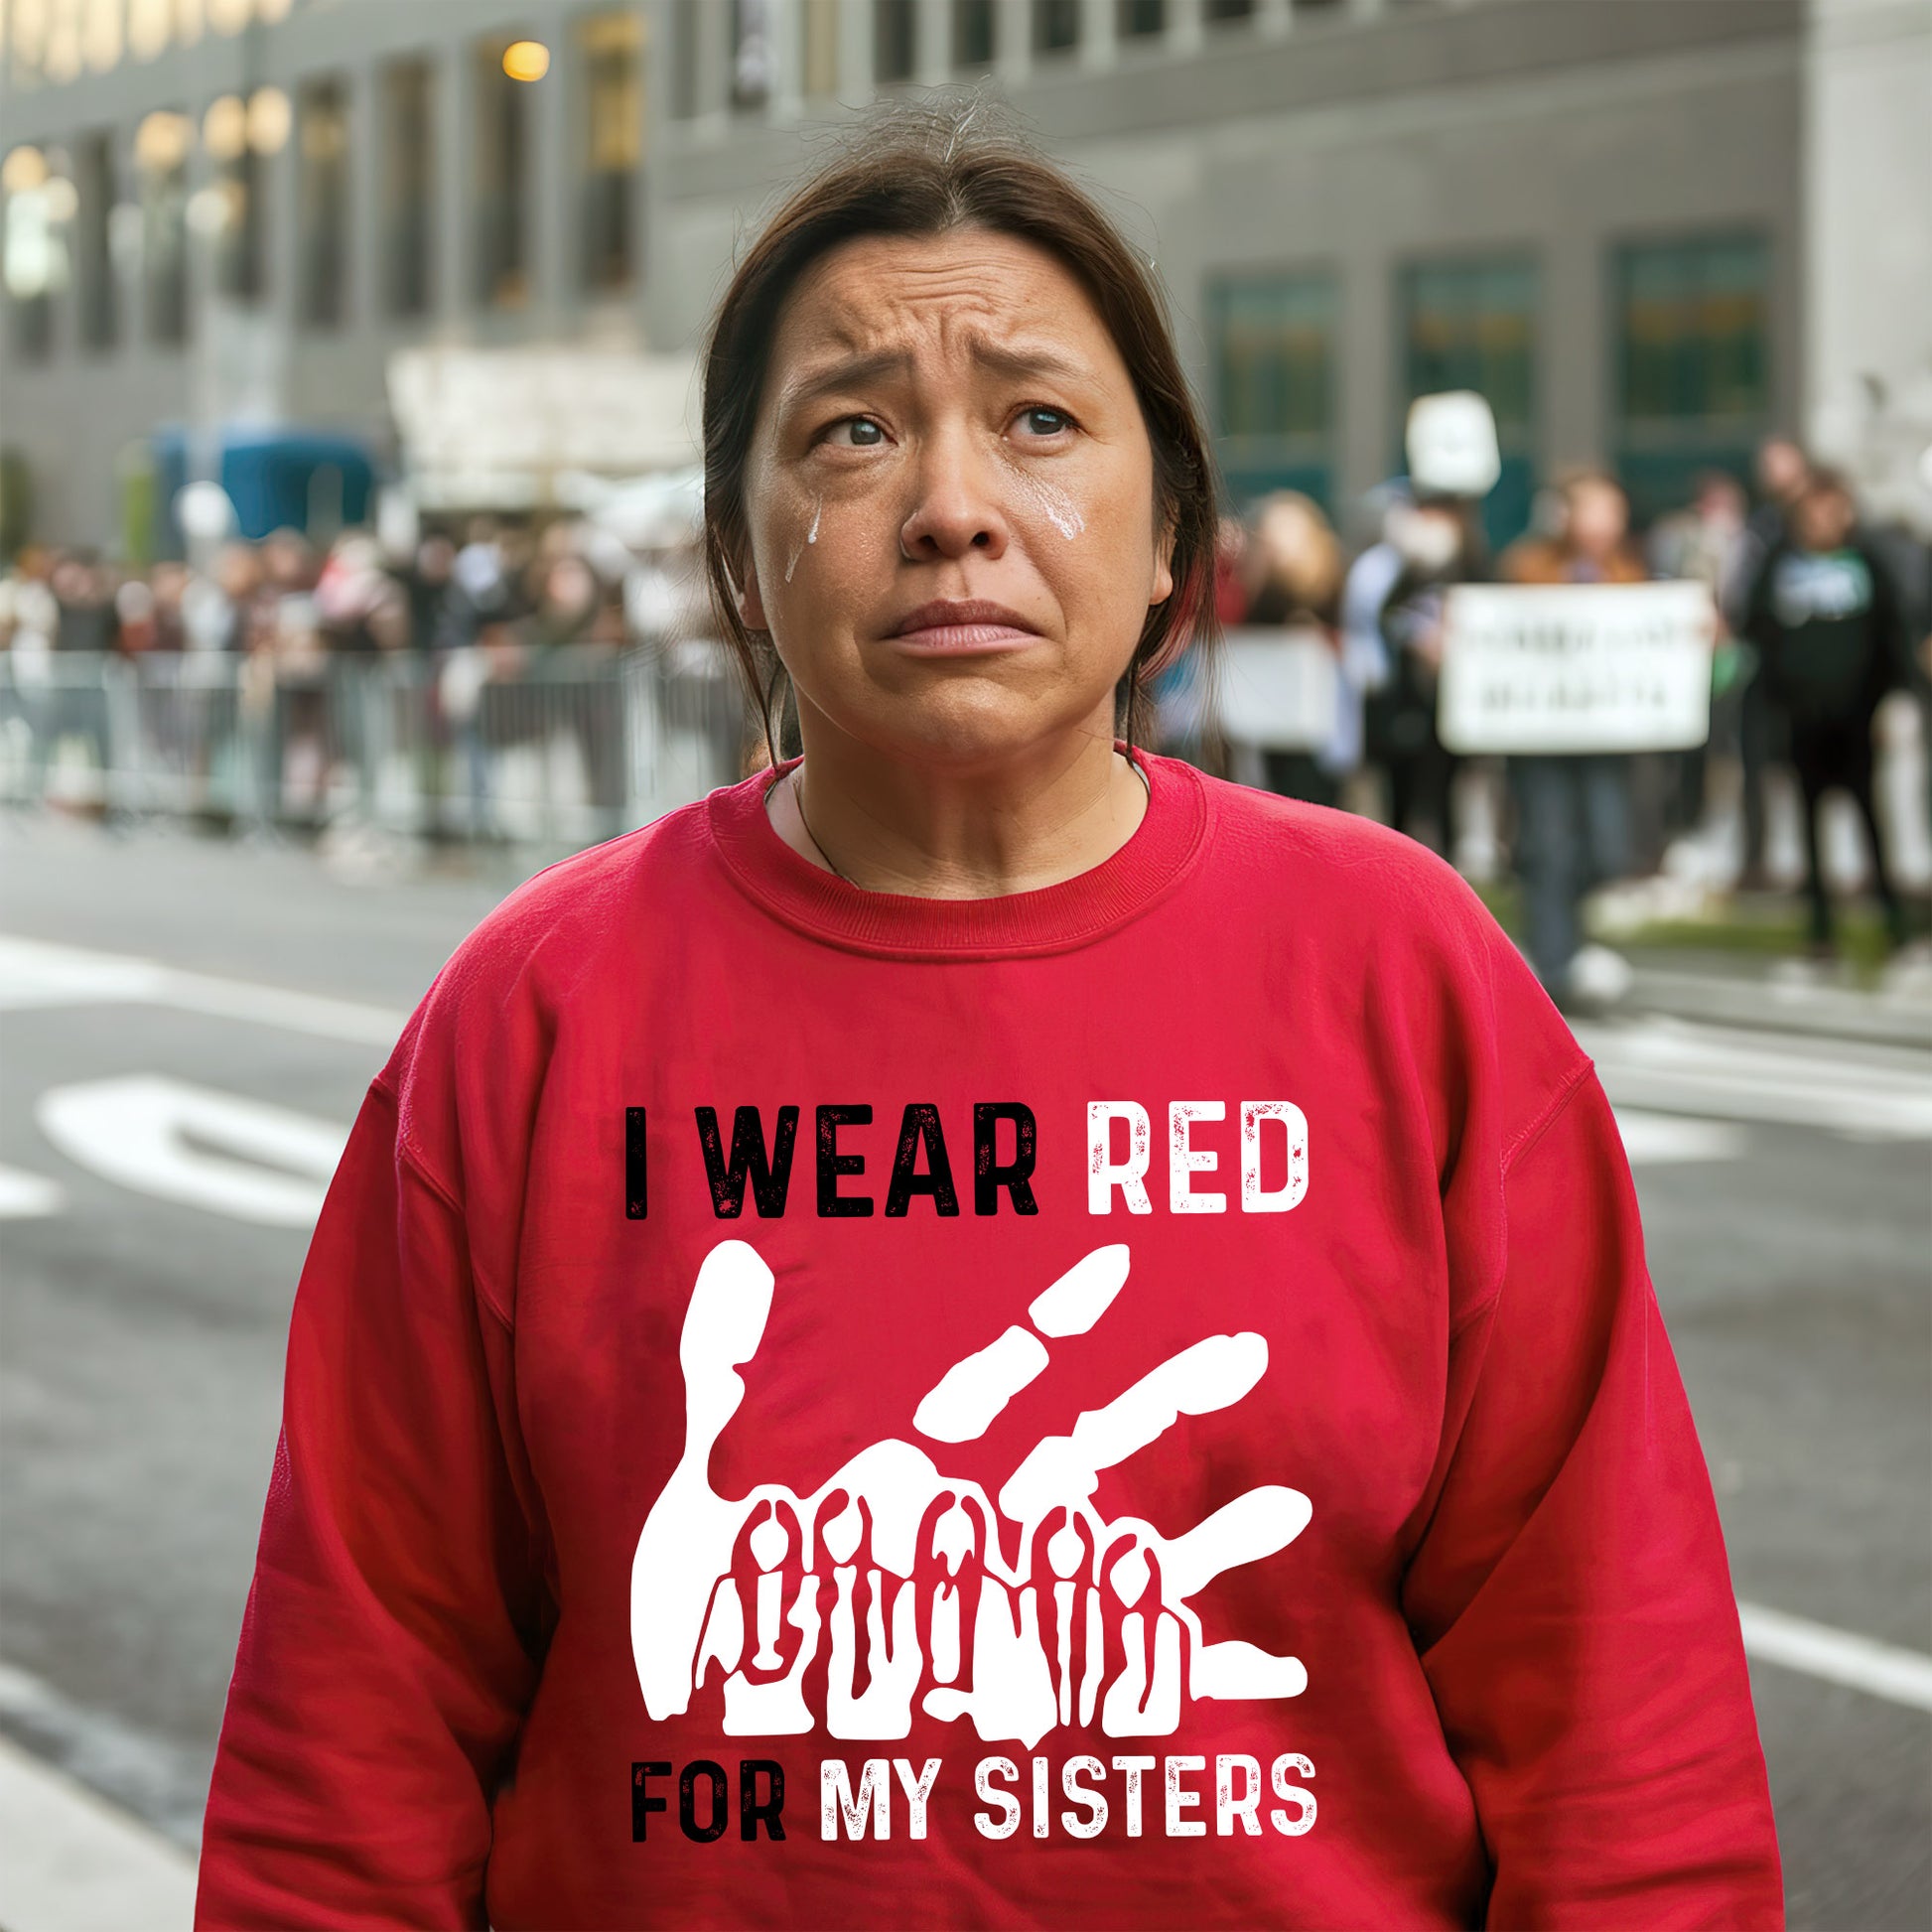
687 28
1691 379
751 52
161 168
237 240
1140 19
1273 342
1472 324
35 206
322 202
94 255
1217 12
1057 26
408 187
972 33
613 146
500 159
819 47
892 40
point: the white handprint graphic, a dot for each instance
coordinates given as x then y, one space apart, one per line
898 1575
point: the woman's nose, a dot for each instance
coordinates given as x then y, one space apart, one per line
957 506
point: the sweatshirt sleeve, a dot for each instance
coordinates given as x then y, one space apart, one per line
1569 1594
392 1633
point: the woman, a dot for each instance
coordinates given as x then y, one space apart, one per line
776 1434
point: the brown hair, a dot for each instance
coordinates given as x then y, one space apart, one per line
920 172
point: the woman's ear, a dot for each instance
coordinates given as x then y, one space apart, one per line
1162 586
751 606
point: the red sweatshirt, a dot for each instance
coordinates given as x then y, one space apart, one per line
1134 1404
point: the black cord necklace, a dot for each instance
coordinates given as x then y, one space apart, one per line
798 800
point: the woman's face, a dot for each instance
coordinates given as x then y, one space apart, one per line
950 499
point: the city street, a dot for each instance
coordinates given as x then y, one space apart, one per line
234 1002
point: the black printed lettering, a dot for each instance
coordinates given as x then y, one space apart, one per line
751 1813
770 1179
990 1173
642 1804
921 1123
832 1205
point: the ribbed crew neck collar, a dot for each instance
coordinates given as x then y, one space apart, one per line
1053 919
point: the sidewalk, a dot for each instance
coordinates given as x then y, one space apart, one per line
1782 995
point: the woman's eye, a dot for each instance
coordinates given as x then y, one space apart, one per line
1041 421
857 433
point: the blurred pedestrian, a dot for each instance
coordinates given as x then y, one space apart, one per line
1295 574
1827 621
1439 544
86 633
1782 472
426 583
1573 810
1702 544
360 607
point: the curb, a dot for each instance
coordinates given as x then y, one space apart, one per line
1778 1005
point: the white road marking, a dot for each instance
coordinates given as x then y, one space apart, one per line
1881 1670
71 1861
193 1145
27 1196
1840 1086
1664 1140
33 973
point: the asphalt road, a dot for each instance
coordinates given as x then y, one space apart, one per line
1791 1243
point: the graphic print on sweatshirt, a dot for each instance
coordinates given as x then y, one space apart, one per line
898 1577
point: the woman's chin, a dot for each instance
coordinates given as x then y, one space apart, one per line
963 727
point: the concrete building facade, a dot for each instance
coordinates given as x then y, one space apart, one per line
1650 233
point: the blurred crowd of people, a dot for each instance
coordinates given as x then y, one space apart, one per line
1820 618
468 617
514 588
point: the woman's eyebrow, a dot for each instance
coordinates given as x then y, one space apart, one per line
852 372
1022 362
1027 361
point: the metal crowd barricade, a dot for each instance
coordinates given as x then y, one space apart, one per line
553 749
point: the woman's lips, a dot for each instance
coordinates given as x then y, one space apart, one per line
962 628
963 640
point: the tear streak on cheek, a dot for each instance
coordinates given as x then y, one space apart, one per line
811 536
1052 503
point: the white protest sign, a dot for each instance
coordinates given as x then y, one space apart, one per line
1278 689
1576 667
1451 439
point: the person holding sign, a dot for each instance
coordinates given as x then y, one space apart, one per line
1572 811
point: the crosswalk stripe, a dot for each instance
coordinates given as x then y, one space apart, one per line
71 1861
33 973
1678 1066
1881 1670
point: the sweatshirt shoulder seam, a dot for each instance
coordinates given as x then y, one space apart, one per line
418 1163
1544 1117
1537 1125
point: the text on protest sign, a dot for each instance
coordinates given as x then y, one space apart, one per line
1576 667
